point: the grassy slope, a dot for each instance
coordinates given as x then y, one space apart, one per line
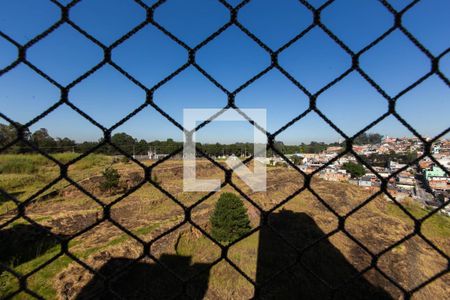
41 282
22 175
25 174
436 226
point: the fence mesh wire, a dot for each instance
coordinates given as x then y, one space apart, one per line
191 62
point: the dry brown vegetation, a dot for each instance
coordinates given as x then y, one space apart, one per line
148 213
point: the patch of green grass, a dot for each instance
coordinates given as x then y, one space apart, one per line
41 282
32 163
145 230
8 284
23 163
18 166
24 183
92 160
435 226
202 250
22 186
65 156
188 247
6 207
22 175
14 183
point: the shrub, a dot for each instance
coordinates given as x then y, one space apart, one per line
355 170
110 179
229 220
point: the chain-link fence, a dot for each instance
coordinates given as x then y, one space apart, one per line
231 95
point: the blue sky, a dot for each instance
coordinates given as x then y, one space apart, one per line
232 59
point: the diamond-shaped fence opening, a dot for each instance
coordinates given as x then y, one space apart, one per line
247 63
162 60
99 18
355 30
106 96
204 18
416 24
305 249
28 13
280 186
398 53
196 91
148 211
345 98
170 177
67 45
274 92
272 25
319 67
33 101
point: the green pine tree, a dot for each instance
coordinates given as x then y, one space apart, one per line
110 180
229 220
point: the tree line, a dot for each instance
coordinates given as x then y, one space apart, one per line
42 139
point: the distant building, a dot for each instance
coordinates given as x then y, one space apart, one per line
437 179
444 160
335 176
334 149
434 172
425 163
394 166
365 181
382 171
153 155
439 183
406 180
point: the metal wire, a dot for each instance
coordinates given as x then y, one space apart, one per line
191 61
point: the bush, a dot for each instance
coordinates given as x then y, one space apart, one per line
229 220
110 179
355 170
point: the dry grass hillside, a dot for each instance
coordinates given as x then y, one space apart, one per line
299 225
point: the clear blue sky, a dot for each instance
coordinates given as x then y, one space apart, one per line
232 58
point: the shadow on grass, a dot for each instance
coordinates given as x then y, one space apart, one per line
148 280
23 242
320 267
5 197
